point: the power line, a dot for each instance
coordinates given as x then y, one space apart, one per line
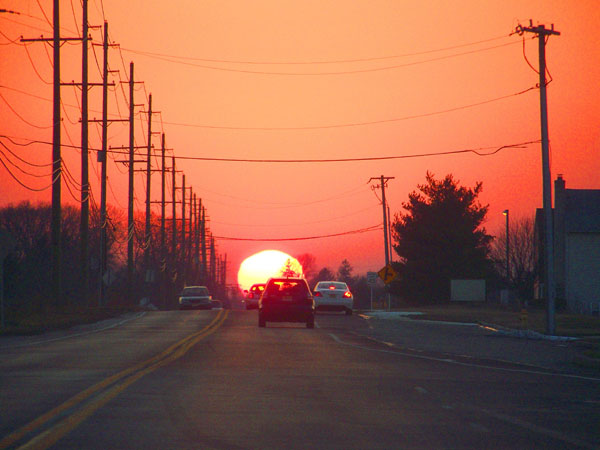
355 124
22 118
477 151
344 72
345 233
339 61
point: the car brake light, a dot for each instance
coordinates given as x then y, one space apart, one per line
332 288
318 294
347 294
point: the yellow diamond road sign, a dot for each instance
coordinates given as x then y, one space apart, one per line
387 274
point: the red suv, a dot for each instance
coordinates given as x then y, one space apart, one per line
286 300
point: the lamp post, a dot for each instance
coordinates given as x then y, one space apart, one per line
505 212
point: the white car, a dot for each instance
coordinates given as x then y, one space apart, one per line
253 296
333 296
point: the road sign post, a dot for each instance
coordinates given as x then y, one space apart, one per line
387 275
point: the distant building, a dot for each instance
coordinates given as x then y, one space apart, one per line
576 217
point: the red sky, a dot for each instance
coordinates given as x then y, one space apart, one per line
324 71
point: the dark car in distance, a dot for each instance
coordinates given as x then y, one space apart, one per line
286 300
195 297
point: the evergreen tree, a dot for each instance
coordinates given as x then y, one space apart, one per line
440 238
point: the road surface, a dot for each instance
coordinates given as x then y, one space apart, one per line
213 379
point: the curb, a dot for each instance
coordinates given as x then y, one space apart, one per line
527 334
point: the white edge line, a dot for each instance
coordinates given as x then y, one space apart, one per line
28 344
451 361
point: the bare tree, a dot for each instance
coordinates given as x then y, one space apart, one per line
521 255
308 263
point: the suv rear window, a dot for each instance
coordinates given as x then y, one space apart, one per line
295 288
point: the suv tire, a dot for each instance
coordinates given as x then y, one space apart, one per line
262 323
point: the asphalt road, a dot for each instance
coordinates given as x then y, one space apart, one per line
213 379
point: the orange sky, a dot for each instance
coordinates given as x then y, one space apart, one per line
208 103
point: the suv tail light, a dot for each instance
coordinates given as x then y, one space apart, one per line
347 294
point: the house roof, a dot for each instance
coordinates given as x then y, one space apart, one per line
582 210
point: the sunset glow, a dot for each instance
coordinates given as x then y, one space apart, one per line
261 266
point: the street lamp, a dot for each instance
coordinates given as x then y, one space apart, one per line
505 212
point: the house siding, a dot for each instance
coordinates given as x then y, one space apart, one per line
583 272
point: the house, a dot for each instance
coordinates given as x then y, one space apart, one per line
576 218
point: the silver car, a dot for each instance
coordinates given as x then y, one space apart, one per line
333 296
195 297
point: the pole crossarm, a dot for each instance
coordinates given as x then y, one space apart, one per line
43 39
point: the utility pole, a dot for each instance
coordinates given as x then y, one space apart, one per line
213 262
85 187
543 33
56 165
203 267
389 225
148 233
55 225
190 233
183 241
102 159
174 214
162 203
130 224
382 184
197 237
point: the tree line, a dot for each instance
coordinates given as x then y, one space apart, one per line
27 268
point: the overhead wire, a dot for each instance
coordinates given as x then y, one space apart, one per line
29 188
270 225
20 169
344 72
480 151
314 62
355 124
22 118
304 238
23 160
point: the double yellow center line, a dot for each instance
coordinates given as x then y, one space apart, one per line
95 397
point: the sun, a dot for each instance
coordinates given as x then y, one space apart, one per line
261 266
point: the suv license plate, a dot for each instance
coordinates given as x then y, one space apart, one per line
287 298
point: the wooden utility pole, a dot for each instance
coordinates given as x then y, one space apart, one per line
162 203
56 164
203 267
543 34
148 231
382 184
102 158
130 223
174 214
183 240
55 224
85 187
